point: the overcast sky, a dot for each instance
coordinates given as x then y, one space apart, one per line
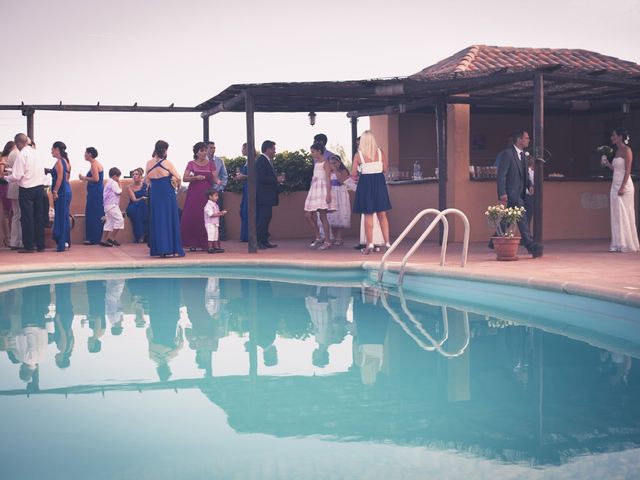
162 52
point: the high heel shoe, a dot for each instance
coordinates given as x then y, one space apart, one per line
316 243
368 249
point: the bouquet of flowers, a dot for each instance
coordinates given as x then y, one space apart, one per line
606 154
504 219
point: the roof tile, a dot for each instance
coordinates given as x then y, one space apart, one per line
484 59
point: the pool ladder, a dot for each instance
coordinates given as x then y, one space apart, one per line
440 216
432 344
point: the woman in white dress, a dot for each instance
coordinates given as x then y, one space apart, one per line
341 217
624 234
319 199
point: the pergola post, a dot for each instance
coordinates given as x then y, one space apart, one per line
29 113
205 128
441 153
251 172
354 135
538 153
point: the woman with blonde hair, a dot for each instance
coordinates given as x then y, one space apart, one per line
372 196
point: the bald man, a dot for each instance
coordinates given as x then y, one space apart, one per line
28 173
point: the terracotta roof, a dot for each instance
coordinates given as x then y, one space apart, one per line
485 59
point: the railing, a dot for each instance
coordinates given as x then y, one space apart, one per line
432 343
440 217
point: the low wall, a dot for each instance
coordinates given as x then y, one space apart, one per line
572 210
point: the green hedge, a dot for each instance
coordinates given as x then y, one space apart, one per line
297 167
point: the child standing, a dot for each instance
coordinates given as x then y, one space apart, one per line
212 214
341 217
114 220
319 198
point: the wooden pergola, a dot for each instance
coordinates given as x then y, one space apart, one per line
500 79
504 79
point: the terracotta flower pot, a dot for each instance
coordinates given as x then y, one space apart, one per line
506 248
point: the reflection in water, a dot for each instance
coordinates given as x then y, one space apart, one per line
415 373
328 311
63 333
96 293
164 335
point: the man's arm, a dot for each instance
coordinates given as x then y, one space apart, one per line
223 175
503 170
18 170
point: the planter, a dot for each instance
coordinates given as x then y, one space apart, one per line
506 248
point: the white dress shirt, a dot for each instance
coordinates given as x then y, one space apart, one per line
28 170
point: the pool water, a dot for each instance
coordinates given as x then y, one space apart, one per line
213 375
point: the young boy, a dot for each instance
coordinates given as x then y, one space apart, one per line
212 214
114 220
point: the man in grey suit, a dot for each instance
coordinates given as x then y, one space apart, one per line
513 183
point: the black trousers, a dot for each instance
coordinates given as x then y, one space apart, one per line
263 218
32 216
523 225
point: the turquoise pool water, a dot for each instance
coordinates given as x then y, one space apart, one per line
294 374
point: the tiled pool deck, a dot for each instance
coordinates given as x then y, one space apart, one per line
571 266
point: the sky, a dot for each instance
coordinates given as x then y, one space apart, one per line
158 52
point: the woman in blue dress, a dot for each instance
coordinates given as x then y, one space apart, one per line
164 222
137 210
61 192
94 209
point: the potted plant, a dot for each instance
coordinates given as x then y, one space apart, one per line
503 220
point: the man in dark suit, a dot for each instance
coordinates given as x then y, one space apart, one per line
513 183
266 193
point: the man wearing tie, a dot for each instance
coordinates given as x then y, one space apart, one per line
266 193
513 183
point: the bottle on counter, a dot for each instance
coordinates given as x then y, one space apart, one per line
417 171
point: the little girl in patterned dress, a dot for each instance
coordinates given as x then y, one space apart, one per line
319 198
341 217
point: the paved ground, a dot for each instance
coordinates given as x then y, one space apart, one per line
571 266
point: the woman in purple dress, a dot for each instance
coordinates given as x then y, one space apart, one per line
200 174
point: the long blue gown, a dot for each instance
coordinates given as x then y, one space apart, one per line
244 210
138 212
94 209
61 222
164 222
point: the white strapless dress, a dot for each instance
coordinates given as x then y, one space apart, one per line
624 234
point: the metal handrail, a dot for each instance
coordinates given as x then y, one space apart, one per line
434 345
440 216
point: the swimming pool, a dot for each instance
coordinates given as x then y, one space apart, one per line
297 374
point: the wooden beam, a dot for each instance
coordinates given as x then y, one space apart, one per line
226 106
205 129
538 154
29 113
590 80
368 112
441 153
324 89
472 84
354 136
99 108
251 172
